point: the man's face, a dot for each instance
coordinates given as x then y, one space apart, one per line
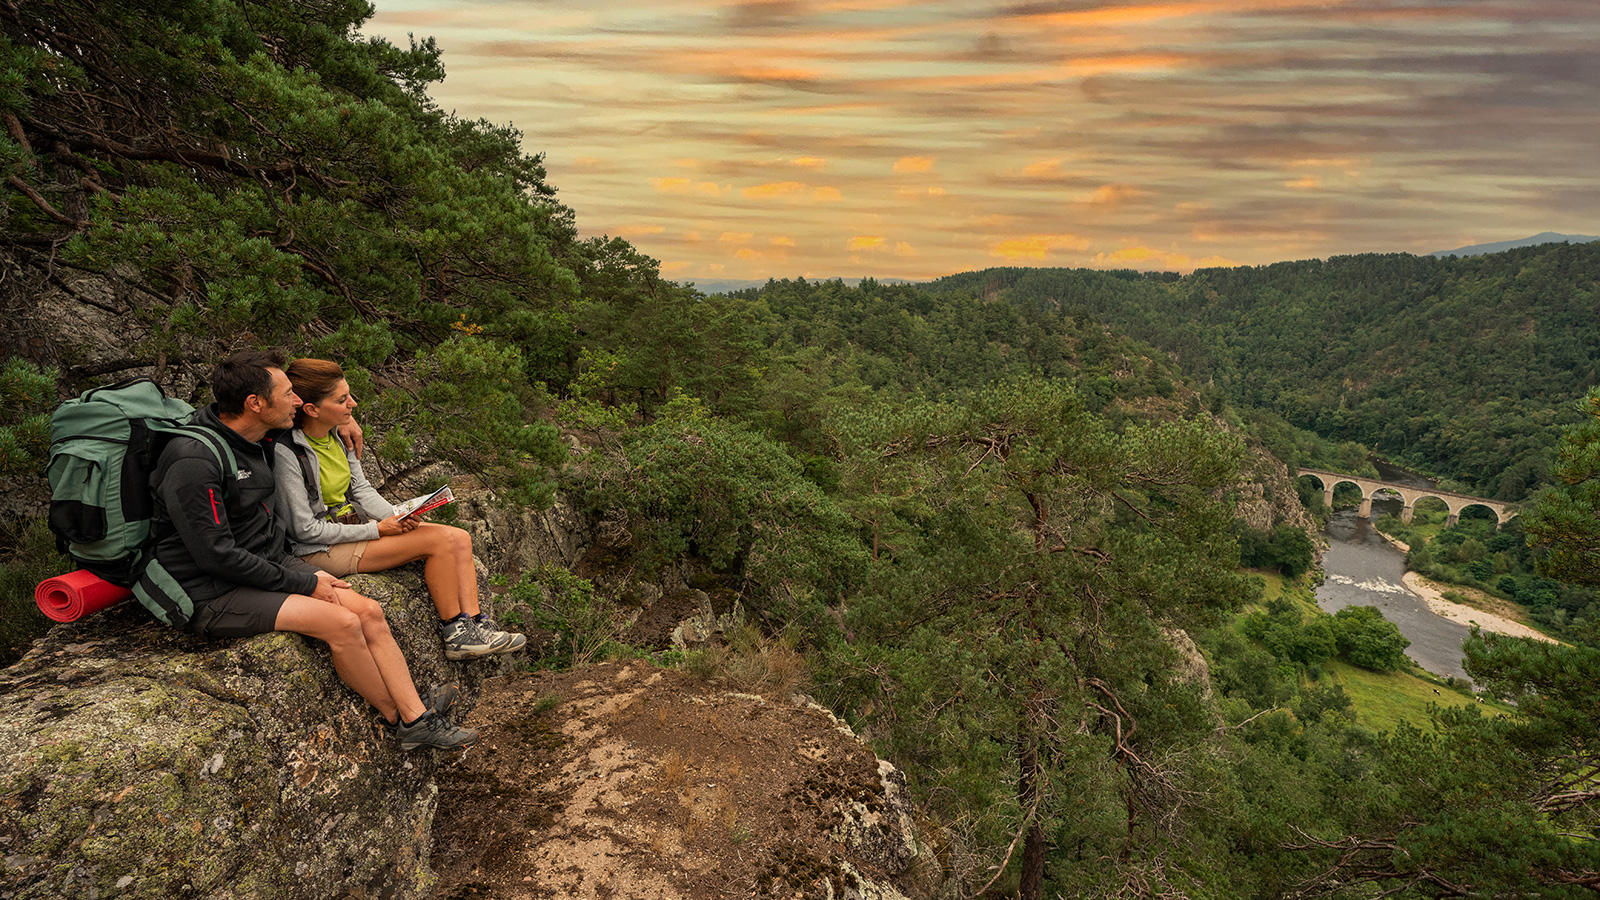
279 404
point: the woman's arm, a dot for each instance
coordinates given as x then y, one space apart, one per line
364 494
295 505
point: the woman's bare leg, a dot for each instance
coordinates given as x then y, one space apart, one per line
447 566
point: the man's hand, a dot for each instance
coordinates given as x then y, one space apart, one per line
396 525
350 435
327 585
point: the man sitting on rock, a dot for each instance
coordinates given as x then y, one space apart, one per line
227 548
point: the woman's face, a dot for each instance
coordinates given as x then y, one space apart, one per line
335 409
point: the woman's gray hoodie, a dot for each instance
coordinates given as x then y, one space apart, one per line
300 499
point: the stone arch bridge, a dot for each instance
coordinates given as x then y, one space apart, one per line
1410 495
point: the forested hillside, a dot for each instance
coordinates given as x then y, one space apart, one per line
1465 368
995 527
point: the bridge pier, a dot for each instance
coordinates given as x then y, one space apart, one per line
1366 508
1327 496
1454 518
1406 512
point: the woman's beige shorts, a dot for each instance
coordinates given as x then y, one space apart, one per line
340 559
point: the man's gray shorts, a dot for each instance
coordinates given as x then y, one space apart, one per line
243 611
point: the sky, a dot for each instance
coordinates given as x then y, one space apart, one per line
778 139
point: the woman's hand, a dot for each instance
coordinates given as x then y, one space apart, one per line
395 525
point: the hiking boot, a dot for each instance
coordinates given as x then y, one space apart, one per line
492 631
440 698
464 640
436 733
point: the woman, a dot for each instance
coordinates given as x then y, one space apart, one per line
339 523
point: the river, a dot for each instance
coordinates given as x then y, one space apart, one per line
1364 569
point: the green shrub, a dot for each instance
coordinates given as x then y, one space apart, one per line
32 558
1370 641
586 624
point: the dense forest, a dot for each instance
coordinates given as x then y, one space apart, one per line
1464 368
995 526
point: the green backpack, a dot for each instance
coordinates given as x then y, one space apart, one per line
104 445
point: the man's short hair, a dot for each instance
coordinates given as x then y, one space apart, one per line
242 374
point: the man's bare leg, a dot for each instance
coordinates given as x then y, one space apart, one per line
344 631
385 652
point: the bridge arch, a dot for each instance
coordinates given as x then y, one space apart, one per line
1369 487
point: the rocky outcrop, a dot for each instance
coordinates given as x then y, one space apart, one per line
1267 498
138 761
624 781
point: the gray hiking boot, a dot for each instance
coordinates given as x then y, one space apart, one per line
492 631
436 733
463 639
440 698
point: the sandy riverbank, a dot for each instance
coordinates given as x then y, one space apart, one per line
1467 615
1458 612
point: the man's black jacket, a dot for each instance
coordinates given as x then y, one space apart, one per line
217 538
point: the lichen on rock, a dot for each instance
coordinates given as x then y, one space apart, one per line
140 761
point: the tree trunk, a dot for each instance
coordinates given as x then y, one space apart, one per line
1032 885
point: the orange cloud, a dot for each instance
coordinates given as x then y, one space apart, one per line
904 249
627 231
774 189
783 241
1044 168
910 164
1306 183
795 191
1114 194
1112 16
808 162
866 242
1036 246
686 186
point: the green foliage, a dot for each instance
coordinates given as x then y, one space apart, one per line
472 398
28 557
1367 639
1463 366
1027 557
705 487
1565 526
27 393
585 623
1286 548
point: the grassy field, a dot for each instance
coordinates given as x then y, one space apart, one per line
1382 699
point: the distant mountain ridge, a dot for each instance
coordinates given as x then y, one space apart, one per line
729 285
1546 237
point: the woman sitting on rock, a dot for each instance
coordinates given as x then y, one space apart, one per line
340 524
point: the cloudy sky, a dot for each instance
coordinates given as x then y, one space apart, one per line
915 139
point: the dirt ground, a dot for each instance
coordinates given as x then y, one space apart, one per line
623 780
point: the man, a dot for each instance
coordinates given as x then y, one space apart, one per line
226 546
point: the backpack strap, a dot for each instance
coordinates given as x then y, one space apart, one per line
226 461
156 589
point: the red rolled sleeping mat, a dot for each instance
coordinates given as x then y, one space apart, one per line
70 597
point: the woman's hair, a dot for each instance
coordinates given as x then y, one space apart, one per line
313 379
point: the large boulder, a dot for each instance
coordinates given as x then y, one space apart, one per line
139 761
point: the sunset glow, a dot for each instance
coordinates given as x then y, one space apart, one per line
911 140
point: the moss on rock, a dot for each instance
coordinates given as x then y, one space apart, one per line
139 761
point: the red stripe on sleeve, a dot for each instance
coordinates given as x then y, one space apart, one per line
214 516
